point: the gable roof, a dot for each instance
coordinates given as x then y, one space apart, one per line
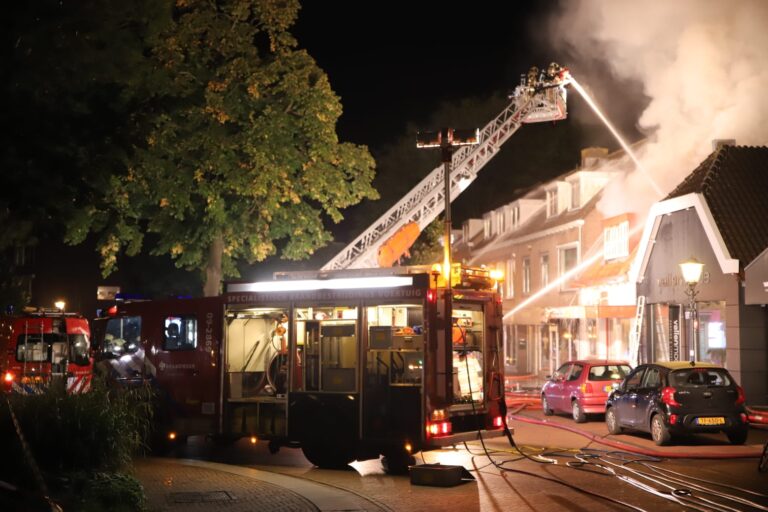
734 183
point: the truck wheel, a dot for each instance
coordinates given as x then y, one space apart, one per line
327 455
396 462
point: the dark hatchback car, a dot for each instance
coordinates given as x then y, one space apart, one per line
679 397
582 387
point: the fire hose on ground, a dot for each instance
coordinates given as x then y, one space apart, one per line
517 402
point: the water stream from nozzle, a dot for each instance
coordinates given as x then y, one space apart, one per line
619 138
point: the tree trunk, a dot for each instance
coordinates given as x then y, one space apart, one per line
213 272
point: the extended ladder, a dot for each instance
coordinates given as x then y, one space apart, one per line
637 329
426 200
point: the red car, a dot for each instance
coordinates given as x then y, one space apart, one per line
582 387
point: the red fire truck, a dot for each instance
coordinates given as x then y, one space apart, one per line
41 346
345 364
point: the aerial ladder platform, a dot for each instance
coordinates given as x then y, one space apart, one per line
540 97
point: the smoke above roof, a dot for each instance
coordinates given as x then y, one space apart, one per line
703 65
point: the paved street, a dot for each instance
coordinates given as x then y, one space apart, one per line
253 479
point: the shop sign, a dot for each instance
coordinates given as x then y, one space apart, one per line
674 332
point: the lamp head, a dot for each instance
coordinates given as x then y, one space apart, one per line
691 269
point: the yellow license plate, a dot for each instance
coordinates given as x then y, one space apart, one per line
719 420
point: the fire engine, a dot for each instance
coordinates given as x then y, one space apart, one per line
351 361
345 364
40 347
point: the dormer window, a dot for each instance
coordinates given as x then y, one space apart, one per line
575 194
552 202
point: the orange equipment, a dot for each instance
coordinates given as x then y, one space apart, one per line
398 244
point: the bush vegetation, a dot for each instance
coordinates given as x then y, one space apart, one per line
82 444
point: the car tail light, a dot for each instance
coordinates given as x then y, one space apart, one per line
439 428
741 398
586 387
668 396
672 419
744 418
498 422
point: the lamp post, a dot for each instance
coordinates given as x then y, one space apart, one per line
691 269
447 140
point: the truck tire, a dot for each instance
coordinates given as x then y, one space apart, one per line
327 455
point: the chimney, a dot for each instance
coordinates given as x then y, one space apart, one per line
591 156
718 143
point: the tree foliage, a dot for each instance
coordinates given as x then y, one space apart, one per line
69 67
241 157
428 248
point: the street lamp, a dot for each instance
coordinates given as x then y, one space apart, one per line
60 304
691 269
447 140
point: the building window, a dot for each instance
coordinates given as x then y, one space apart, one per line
526 275
510 277
568 258
544 270
515 216
487 227
551 202
616 241
576 194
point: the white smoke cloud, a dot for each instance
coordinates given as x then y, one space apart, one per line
702 63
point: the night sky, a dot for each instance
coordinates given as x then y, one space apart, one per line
396 63
393 64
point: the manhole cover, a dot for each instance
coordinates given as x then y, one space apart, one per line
200 497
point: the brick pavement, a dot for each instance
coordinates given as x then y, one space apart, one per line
198 486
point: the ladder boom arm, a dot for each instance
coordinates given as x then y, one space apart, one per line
426 200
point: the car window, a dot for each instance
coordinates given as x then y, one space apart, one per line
576 372
700 377
652 378
607 372
562 371
634 379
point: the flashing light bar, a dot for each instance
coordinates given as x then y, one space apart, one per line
323 284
